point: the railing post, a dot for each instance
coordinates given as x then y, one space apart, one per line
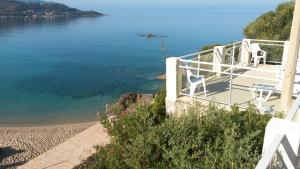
285 52
198 64
218 58
173 84
245 52
231 76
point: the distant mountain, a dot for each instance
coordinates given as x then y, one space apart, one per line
37 9
31 1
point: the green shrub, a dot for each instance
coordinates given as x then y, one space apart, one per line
203 138
210 138
210 46
273 53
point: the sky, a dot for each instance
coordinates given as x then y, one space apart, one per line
107 5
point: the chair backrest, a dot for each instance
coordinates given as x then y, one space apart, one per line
255 48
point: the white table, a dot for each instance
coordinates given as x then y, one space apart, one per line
263 91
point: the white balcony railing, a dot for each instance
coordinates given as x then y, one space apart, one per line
230 64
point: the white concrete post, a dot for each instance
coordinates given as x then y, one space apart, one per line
291 63
290 129
173 83
218 58
245 52
285 53
298 56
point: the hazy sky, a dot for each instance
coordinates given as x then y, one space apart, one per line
111 4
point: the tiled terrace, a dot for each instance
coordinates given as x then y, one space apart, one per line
218 89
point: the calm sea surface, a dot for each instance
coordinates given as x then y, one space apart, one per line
66 71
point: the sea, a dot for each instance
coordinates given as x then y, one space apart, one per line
64 71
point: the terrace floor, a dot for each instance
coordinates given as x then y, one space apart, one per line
218 90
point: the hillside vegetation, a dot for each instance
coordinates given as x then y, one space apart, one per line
273 25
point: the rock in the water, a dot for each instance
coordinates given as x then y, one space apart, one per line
161 76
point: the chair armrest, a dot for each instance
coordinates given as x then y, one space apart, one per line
198 76
264 52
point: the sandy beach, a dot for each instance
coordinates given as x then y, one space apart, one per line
21 144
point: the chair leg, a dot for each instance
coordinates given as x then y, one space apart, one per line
204 87
260 99
192 89
255 62
253 93
198 88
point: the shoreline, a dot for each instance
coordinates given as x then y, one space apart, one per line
18 145
45 125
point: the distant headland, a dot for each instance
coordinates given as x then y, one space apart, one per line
40 9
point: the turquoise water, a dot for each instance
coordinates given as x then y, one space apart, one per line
66 71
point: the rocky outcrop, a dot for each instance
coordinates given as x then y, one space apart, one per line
127 103
161 76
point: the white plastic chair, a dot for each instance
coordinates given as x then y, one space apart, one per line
257 54
195 81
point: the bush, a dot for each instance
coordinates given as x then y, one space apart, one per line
206 138
210 46
203 138
125 132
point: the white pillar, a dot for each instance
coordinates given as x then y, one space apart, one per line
298 56
290 67
245 52
173 83
290 130
218 58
